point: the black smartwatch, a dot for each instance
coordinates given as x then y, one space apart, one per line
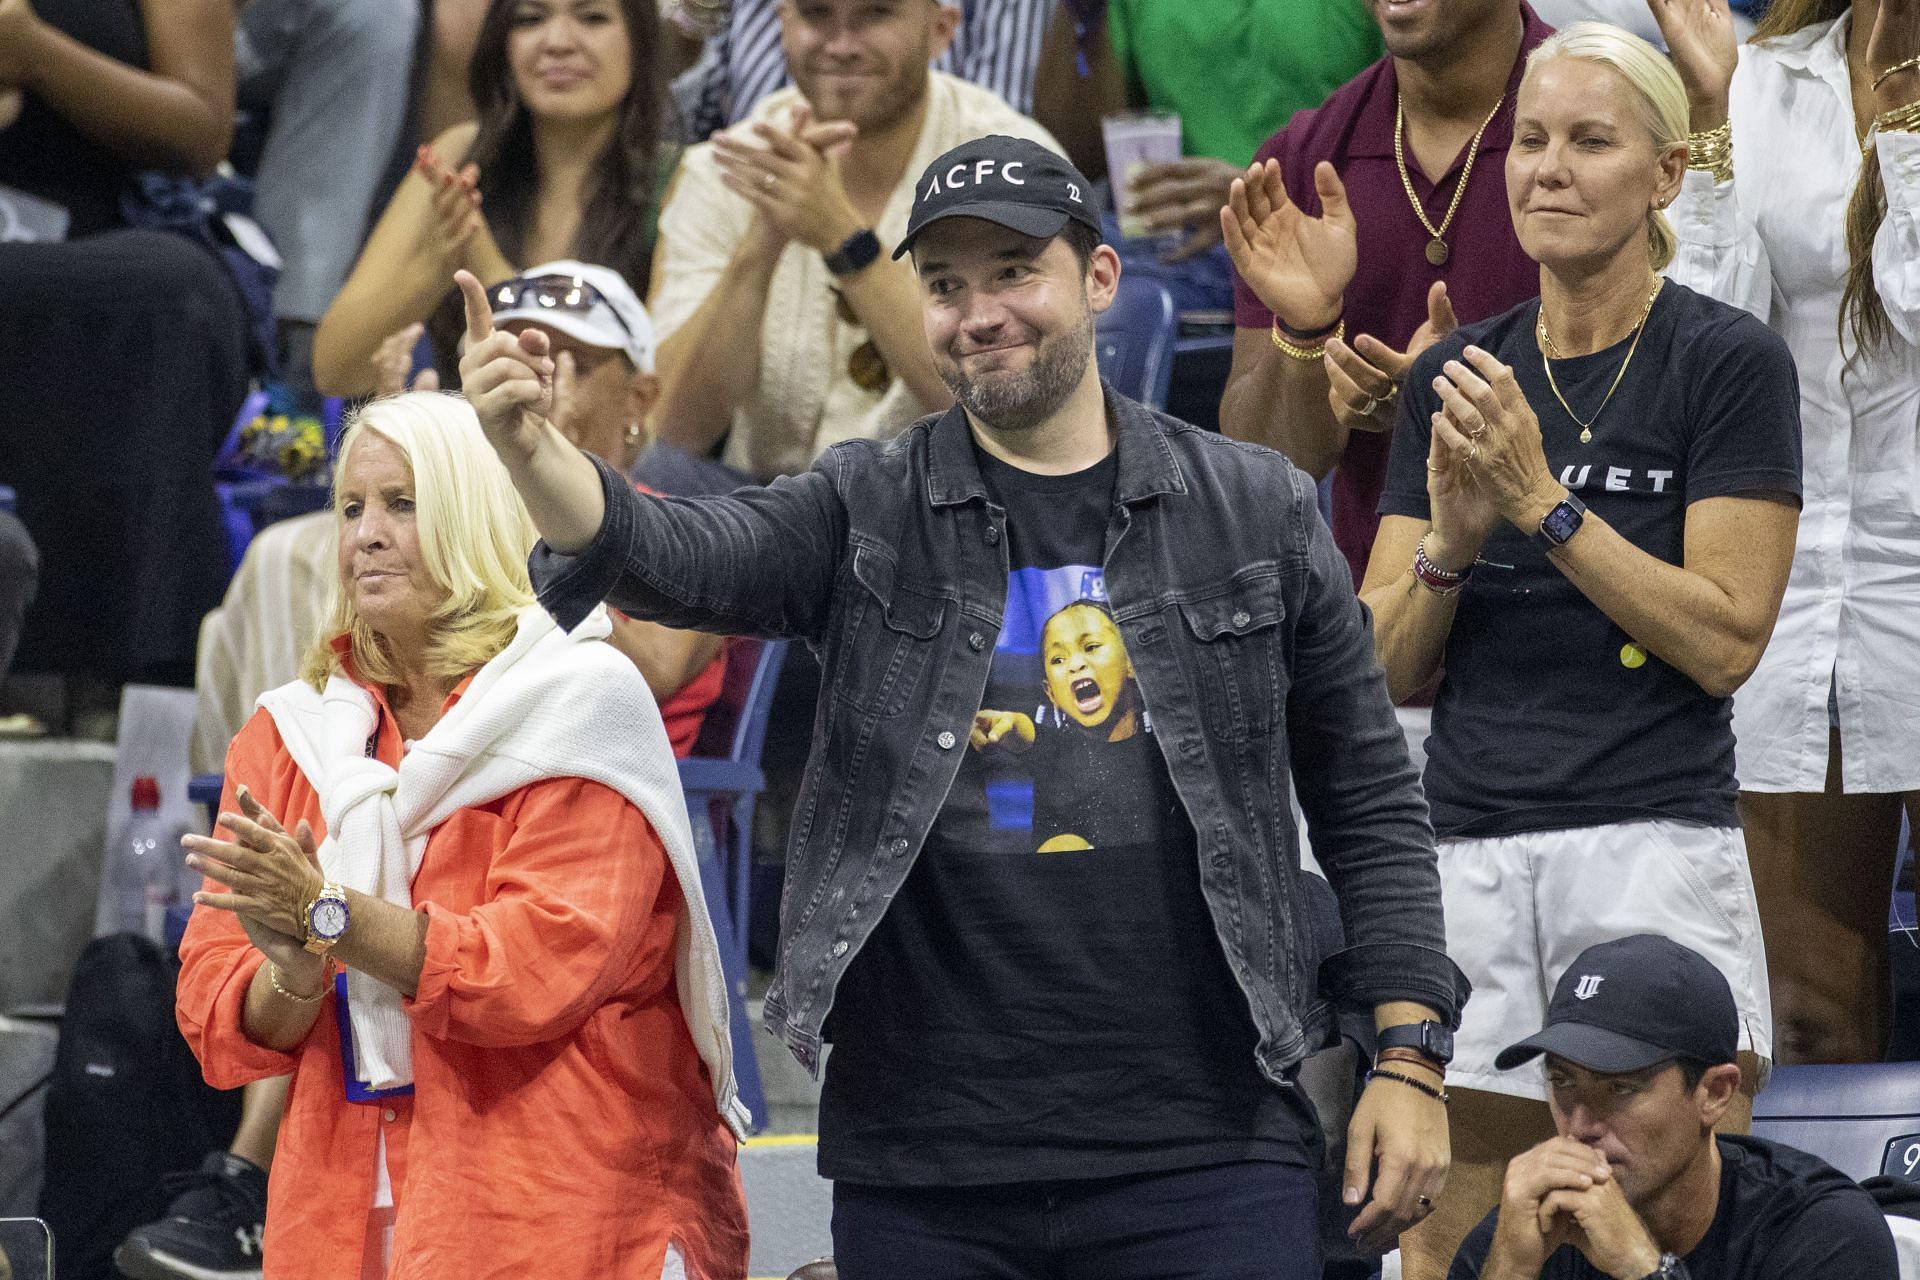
1433 1039
857 251
1670 1268
1562 522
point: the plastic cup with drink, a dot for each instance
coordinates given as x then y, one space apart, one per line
1136 140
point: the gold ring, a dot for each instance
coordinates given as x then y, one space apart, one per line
1366 410
1473 451
1475 435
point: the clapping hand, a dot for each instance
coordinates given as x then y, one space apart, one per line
1704 48
268 874
791 177
1364 377
1487 428
1298 266
393 361
1184 196
456 205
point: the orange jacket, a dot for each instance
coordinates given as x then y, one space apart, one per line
562 1122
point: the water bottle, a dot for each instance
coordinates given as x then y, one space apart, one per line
149 867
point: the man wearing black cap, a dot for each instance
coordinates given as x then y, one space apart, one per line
1640 1041
1041 886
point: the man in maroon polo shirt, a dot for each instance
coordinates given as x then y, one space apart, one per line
1360 280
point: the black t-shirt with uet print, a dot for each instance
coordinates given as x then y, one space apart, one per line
1549 715
1046 997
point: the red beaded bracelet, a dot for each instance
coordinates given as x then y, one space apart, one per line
1433 577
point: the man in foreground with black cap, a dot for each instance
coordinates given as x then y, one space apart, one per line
1042 874
1640 1040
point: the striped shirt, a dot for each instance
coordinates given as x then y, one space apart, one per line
996 47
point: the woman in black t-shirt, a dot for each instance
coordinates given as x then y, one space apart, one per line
1589 517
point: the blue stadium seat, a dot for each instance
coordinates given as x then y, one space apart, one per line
1863 1120
722 780
1134 340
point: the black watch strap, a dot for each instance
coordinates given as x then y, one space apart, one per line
857 251
1431 1038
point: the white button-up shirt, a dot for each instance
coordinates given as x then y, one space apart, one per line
1773 241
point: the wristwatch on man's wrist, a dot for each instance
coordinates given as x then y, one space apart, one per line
1433 1039
856 251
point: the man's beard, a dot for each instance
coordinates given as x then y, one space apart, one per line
1020 401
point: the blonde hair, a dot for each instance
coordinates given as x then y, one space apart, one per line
1657 91
474 531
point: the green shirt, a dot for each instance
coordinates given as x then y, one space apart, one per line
1237 70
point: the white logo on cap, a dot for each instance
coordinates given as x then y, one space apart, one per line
1073 193
977 174
1588 986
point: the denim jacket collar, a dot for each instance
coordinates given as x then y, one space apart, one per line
1147 465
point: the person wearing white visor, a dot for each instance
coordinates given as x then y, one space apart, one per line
603 346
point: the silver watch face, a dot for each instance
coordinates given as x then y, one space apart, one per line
329 919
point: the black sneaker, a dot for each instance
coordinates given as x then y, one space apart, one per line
212 1229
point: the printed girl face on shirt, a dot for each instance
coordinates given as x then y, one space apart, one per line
1583 174
571 59
1086 665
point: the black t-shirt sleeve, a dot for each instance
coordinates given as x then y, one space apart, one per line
1838 1237
1745 415
1405 491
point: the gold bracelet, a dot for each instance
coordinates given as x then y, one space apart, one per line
1900 119
1895 69
273 979
1315 350
1712 151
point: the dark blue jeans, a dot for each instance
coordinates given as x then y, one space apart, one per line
1254 1220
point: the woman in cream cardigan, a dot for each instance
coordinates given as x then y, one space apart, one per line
452 890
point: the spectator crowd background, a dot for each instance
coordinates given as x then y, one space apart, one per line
693 211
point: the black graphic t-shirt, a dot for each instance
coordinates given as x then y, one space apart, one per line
1782 1215
1046 997
1550 716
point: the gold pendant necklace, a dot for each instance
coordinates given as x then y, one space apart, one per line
1437 252
1547 349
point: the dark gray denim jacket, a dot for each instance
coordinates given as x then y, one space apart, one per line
1253 656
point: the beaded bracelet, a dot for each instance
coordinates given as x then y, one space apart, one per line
1316 350
1442 582
1438 1095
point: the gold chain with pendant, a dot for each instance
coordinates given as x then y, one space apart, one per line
1437 251
1549 353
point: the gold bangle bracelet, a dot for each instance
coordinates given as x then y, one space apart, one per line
1883 76
1711 151
273 979
1899 119
1304 352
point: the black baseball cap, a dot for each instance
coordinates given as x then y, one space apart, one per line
1011 181
1632 1003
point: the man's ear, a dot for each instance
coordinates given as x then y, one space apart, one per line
940 32
643 392
1103 278
1714 1094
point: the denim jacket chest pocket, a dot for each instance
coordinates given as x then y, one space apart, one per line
1241 656
890 630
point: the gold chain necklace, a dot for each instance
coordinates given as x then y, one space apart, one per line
1436 247
1547 349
